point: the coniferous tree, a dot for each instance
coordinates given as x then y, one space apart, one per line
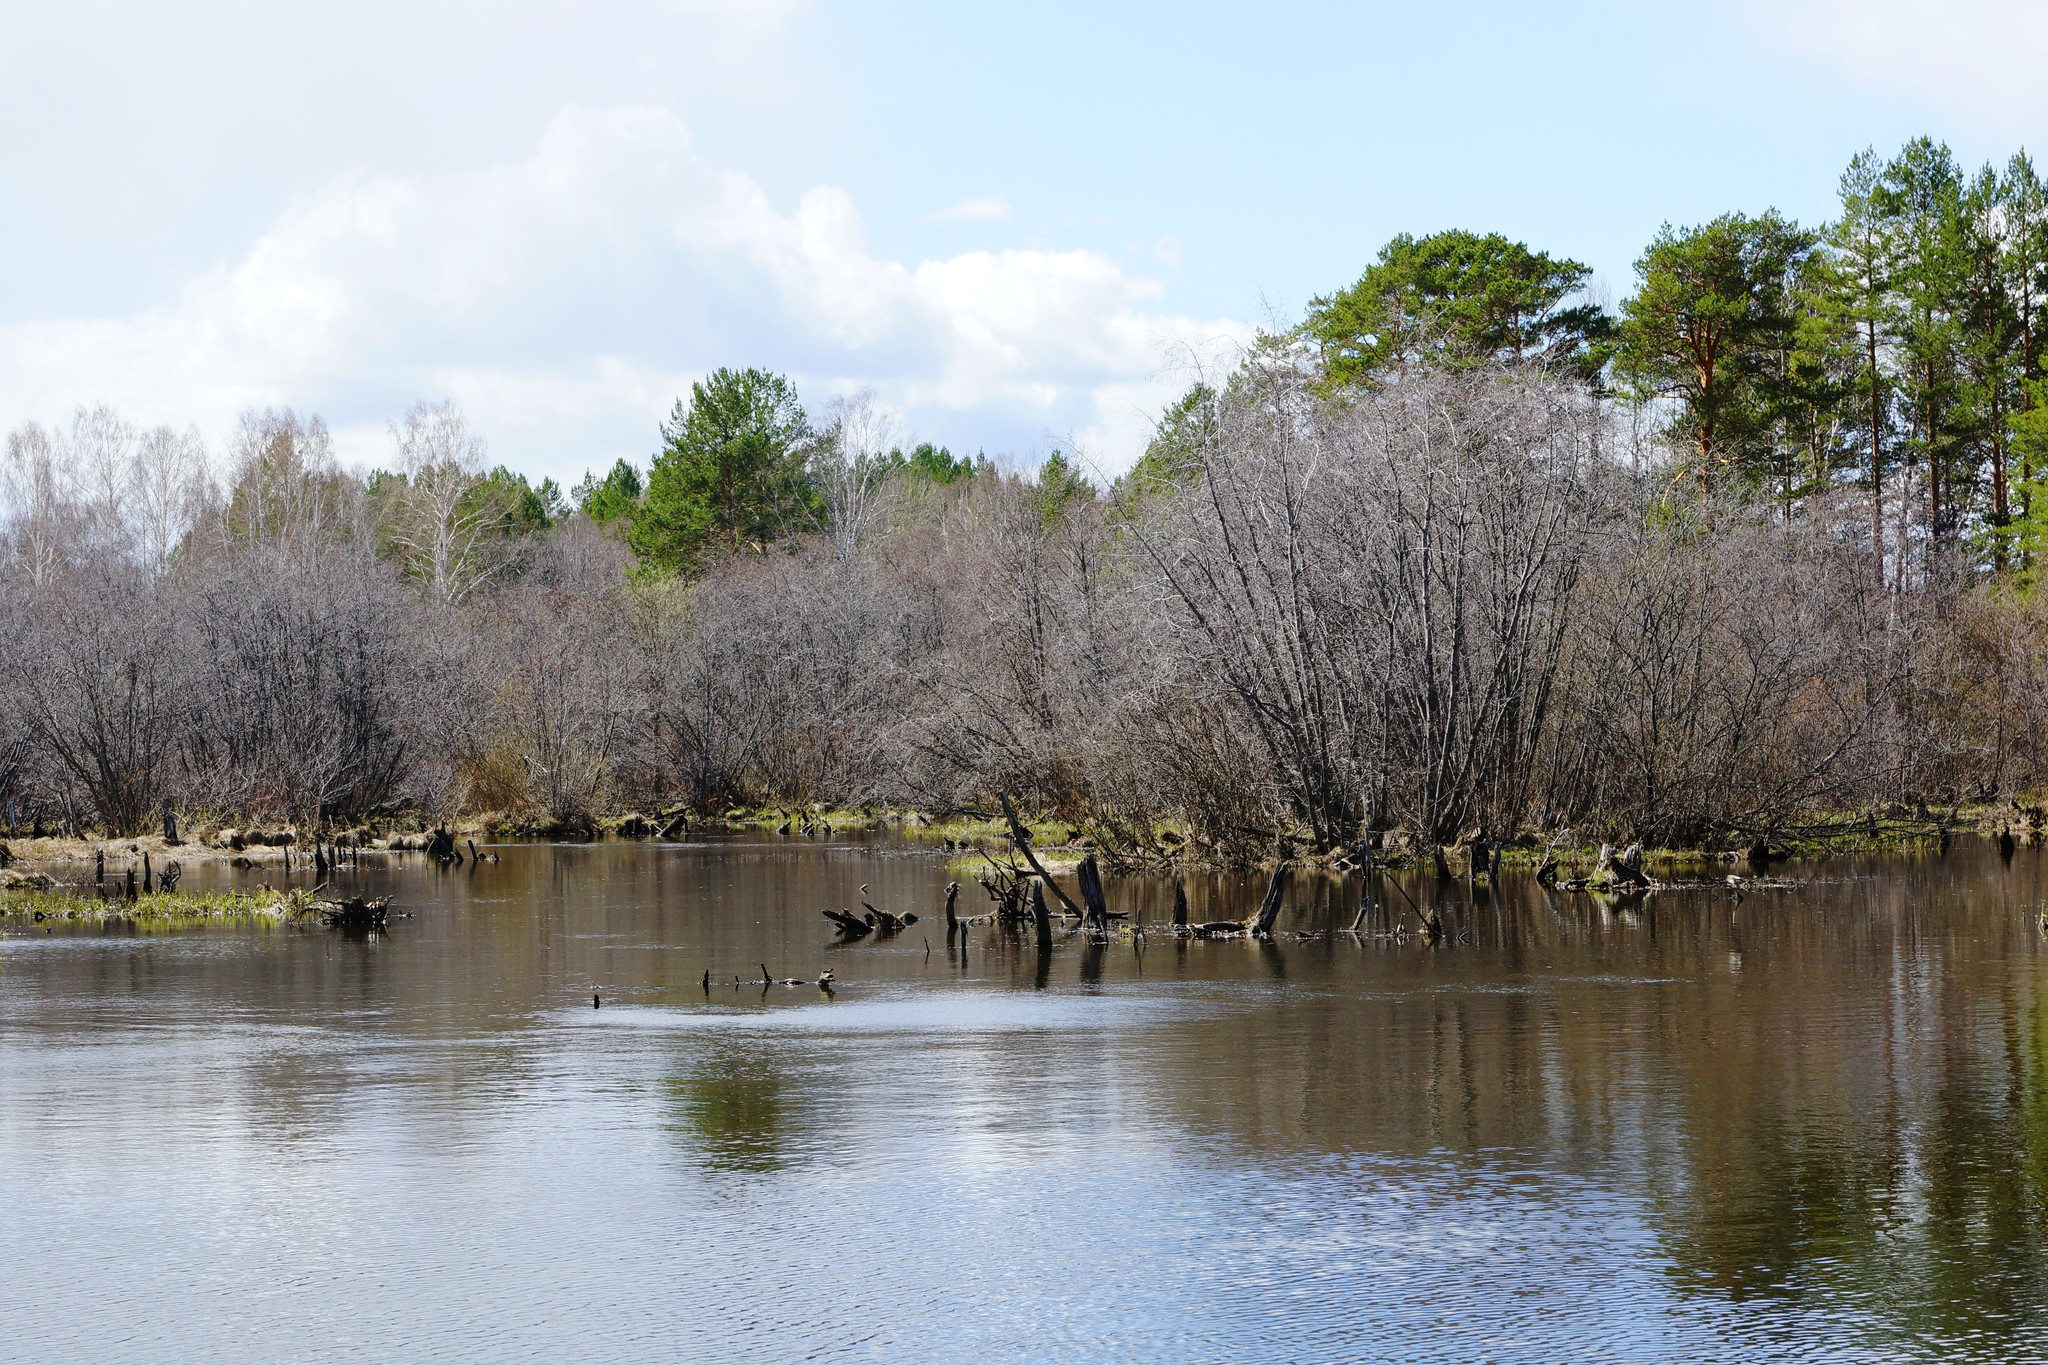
1861 245
1714 310
1459 298
614 496
1925 189
730 474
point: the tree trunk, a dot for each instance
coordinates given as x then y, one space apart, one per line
1269 908
1876 458
1091 892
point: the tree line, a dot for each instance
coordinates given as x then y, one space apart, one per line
1895 351
1462 552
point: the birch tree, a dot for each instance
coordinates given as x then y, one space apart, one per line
444 521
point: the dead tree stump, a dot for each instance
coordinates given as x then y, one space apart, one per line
1041 921
1090 878
1269 908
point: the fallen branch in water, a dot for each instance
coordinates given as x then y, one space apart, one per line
1022 842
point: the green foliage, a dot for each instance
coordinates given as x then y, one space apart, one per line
610 498
731 473
2024 534
1859 262
532 508
1173 456
1714 312
1059 486
1463 299
937 465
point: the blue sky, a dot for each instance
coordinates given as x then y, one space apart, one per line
1022 226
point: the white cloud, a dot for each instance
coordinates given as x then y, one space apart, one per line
566 298
988 208
1979 60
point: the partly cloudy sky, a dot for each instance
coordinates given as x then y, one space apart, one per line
1019 224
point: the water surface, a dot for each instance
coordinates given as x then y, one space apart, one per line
1811 1124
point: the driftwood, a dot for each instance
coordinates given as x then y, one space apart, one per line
853 926
1041 922
881 920
877 922
1618 869
1180 905
1022 841
354 912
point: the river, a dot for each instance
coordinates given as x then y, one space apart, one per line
1808 1124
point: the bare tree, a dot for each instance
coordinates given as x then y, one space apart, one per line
1380 587
42 520
851 467
285 488
310 670
446 521
169 487
99 689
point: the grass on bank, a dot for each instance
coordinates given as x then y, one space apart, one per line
161 909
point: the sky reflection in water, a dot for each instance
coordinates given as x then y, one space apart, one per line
1813 1125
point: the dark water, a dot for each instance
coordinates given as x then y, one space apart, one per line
1810 1126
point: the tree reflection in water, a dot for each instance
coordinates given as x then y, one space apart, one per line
735 1106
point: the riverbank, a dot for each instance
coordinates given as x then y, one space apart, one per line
975 837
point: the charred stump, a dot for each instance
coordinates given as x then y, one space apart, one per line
1269 908
1090 877
1041 921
